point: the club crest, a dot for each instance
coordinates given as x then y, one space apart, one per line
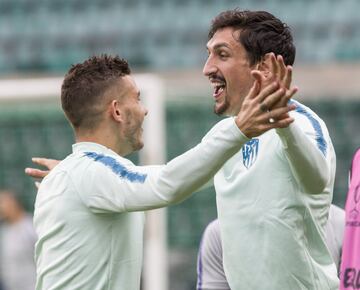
250 152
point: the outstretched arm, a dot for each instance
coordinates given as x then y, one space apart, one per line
152 187
304 145
309 162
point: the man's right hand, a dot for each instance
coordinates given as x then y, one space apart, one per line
38 173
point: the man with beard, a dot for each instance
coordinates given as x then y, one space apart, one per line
88 211
273 196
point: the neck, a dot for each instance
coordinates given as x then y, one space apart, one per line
103 135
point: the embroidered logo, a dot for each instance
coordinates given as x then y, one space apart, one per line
250 152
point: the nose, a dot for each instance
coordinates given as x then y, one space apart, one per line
209 67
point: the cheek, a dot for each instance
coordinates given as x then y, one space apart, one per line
241 80
141 116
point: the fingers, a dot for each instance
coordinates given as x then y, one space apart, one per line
288 95
274 67
277 114
266 126
269 99
258 75
288 77
280 71
281 67
278 118
36 173
254 91
267 92
279 98
283 123
46 162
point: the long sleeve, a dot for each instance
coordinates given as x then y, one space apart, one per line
116 186
308 149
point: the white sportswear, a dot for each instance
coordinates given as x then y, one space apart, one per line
88 210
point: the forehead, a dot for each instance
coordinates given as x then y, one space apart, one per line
126 86
128 83
225 37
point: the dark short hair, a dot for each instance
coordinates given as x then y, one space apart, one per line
84 87
261 33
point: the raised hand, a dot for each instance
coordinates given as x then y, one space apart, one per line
280 73
255 118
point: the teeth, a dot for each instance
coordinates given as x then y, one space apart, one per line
218 84
218 89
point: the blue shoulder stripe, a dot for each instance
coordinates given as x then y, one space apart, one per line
117 168
320 140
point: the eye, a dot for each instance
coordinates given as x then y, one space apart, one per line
223 54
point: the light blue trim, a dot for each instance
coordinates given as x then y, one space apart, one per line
116 167
320 140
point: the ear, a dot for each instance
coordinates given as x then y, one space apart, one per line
115 111
264 66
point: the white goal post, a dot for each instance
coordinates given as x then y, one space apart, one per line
30 90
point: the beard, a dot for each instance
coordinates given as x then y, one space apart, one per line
133 130
222 108
134 138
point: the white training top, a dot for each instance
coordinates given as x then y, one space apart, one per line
87 211
273 199
210 268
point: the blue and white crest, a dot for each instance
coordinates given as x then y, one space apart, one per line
250 152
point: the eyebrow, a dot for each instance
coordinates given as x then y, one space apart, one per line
219 45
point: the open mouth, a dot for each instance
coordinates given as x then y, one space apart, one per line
219 87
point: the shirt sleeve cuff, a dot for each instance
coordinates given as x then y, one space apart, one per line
287 134
234 129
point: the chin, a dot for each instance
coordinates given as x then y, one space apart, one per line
139 145
221 109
